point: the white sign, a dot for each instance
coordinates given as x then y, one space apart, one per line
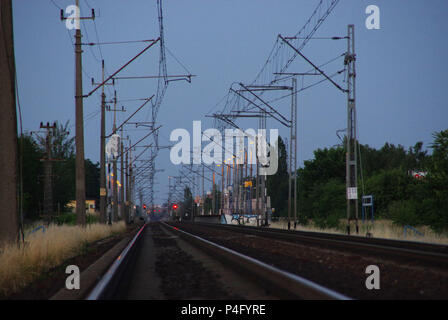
352 193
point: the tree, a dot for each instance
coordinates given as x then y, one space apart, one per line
437 180
278 184
63 169
386 175
440 155
31 176
63 172
328 166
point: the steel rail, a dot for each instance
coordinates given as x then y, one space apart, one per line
432 253
286 284
102 288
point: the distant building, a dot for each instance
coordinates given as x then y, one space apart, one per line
90 206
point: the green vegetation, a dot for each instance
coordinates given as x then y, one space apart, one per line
278 183
63 179
385 173
69 218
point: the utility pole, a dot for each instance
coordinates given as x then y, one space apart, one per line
9 225
222 189
122 207
103 189
48 168
203 191
127 203
114 163
79 136
213 194
114 168
263 177
293 156
79 140
351 143
294 124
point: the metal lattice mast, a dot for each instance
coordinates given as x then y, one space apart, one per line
351 142
293 157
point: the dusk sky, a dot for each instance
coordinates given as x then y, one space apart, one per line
401 68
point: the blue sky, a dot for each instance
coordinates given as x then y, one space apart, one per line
401 68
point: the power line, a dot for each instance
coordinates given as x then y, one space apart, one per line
55 5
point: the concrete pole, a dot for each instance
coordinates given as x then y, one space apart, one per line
9 227
351 143
203 191
79 137
127 203
103 192
115 172
122 214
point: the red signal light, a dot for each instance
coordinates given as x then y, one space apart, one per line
175 206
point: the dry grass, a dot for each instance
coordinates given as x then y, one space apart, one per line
43 251
379 229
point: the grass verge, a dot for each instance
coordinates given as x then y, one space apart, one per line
19 266
379 229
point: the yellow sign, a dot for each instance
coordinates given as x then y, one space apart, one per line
247 184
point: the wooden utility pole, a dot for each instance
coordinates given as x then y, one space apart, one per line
79 122
9 226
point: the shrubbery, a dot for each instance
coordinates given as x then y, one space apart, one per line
386 175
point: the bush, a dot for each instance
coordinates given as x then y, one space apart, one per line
404 213
332 221
70 219
66 218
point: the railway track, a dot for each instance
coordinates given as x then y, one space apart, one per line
425 254
279 283
408 270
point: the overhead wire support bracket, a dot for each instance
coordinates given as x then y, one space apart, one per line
121 68
186 77
265 88
266 104
114 42
256 105
314 66
124 122
127 150
92 17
